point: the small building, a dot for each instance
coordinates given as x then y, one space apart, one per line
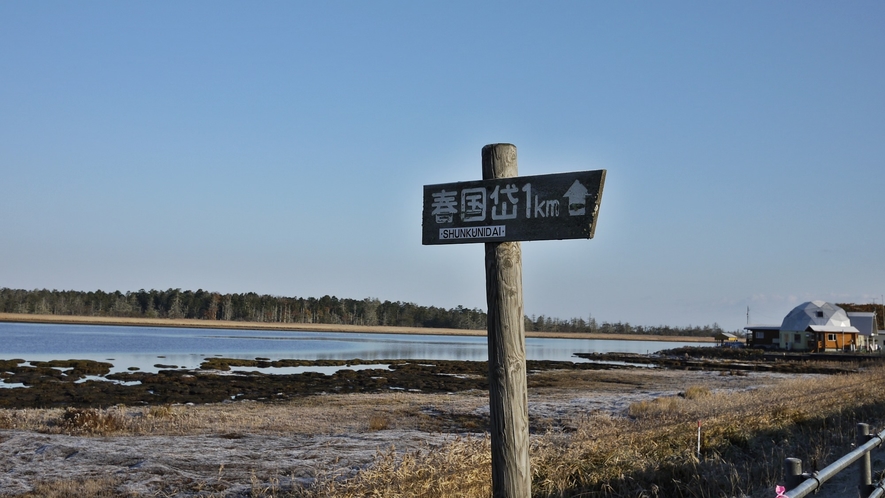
763 336
818 326
726 339
867 326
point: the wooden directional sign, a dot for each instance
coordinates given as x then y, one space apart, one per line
542 207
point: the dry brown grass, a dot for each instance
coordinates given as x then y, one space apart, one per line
90 421
745 438
648 452
695 392
458 469
379 423
76 488
307 415
652 451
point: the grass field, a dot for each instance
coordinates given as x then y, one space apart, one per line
436 445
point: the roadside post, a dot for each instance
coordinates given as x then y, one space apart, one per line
501 210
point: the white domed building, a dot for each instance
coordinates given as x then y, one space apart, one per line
818 326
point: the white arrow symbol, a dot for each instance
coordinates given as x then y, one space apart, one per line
577 199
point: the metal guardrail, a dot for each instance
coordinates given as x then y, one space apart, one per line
802 484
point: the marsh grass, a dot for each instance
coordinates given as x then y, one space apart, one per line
76 488
308 415
90 421
459 468
696 392
745 438
649 451
379 423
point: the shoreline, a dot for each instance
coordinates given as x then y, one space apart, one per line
316 327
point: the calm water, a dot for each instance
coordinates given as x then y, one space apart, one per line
146 347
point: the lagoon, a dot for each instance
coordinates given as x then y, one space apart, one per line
152 348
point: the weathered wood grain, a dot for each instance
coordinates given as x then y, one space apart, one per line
508 392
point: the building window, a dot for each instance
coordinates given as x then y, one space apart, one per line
760 335
831 337
819 314
797 338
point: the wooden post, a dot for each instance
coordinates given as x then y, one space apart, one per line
864 467
508 391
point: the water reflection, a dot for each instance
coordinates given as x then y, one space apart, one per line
144 348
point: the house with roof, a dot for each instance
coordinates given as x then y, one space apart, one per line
815 326
865 323
726 339
763 336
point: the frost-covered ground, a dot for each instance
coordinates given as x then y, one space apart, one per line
334 438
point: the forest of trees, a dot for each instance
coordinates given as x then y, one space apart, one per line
251 307
871 307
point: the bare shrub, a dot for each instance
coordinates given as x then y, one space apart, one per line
379 423
695 392
91 421
6 420
160 411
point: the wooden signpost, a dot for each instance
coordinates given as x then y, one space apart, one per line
500 211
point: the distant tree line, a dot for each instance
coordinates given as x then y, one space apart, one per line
249 307
547 324
252 307
878 309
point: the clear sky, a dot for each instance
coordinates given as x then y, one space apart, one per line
282 148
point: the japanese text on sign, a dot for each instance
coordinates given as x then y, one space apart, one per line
542 207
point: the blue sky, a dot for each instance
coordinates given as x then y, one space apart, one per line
282 147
